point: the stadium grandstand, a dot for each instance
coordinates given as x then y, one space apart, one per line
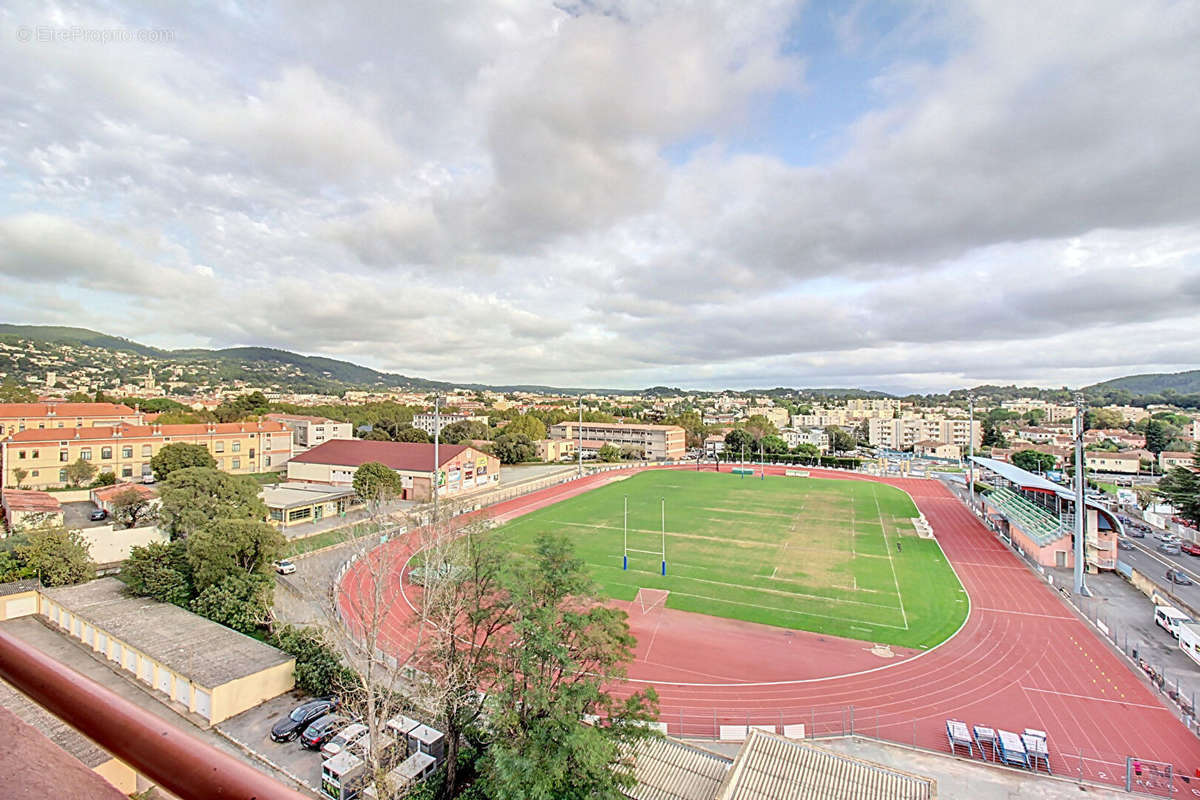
1037 516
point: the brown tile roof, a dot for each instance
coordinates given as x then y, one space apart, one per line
64 409
106 493
403 456
23 500
127 431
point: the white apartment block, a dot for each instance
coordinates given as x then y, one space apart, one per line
1053 411
309 432
778 416
655 441
429 422
799 436
902 434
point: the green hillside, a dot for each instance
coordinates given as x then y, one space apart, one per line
75 336
1153 383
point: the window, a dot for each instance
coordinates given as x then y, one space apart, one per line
20 454
146 449
251 452
105 453
126 452
35 473
86 454
220 447
237 447
64 456
35 454
267 461
237 463
127 471
277 514
299 513
62 476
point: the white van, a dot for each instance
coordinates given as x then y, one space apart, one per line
1170 618
1189 640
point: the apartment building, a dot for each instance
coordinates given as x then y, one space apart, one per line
778 416
17 417
657 442
430 423
240 448
932 449
798 436
1168 459
555 449
866 408
1053 411
311 431
903 434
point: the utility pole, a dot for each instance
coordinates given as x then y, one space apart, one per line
1080 500
437 464
971 451
580 436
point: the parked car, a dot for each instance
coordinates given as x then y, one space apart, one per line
1178 576
1191 548
284 567
348 736
321 731
148 479
301 717
98 515
1124 544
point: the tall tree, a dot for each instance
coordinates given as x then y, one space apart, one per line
376 483
992 437
130 507
240 601
463 432
566 648
80 472
528 425
1033 461
180 455
608 452
160 570
1158 436
513 448
737 443
56 556
408 433
194 497
839 440
230 546
758 426
1181 488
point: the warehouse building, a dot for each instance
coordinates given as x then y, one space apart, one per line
210 670
461 469
655 442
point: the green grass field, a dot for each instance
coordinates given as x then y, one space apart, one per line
805 553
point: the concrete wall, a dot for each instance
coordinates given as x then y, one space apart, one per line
119 774
18 605
236 696
111 544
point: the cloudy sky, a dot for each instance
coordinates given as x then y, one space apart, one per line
906 196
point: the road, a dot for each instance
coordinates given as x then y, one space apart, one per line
1153 563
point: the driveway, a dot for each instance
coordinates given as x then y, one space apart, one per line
75 515
1153 563
252 729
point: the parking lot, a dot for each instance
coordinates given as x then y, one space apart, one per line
252 729
75 515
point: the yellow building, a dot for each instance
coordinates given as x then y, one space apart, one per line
43 455
656 442
291 504
1105 461
555 449
17 417
203 667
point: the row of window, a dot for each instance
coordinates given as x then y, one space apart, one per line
106 453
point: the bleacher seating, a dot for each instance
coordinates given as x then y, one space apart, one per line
1038 523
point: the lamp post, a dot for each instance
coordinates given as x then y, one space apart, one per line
437 467
1080 500
971 451
580 454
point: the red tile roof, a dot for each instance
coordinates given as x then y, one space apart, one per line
404 456
106 493
64 410
23 500
128 431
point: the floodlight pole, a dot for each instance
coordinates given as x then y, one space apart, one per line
664 535
437 466
971 452
1080 500
580 454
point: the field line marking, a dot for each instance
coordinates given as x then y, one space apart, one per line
888 548
1096 699
785 610
1027 613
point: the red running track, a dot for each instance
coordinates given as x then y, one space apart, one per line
1021 660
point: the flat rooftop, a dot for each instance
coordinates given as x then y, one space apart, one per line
294 494
199 649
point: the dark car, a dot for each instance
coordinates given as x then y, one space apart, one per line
1176 576
301 717
98 515
321 731
1191 548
